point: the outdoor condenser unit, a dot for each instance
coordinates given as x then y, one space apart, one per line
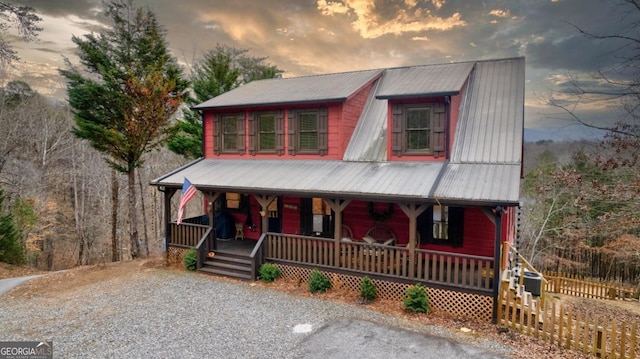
532 283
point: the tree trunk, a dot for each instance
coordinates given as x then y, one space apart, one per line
133 218
145 240
115 254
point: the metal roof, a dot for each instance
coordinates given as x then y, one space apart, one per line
491 119
346 179
483 168
429 80
369 139
308 89
479 183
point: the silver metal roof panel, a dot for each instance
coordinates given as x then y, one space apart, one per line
393 180
307 89
479 183
429 80
491 119
369 139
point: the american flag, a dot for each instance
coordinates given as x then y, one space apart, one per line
188 191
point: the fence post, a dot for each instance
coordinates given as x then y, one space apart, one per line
599 336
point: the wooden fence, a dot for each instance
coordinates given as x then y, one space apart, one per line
563 326
579 286
592 263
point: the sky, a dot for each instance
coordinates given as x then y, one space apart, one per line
307 37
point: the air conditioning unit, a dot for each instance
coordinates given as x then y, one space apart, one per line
532 283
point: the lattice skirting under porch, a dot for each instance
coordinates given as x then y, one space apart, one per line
457 304
175 255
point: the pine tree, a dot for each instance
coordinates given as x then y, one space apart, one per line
10 249
130 88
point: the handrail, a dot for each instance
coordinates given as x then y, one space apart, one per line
201 253
257 254
531 269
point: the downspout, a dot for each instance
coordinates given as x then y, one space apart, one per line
202 136
496 262
168 193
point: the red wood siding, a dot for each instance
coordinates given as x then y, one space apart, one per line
351 112
478 237
207 130
455 111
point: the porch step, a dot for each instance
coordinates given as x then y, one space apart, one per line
229 265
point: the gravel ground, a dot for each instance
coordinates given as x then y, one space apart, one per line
163 313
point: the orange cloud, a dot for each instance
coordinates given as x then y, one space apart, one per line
369 24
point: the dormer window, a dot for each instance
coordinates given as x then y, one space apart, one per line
418 129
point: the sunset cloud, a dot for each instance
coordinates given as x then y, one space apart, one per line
370 24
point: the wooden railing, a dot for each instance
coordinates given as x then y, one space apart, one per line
567 328
186 234
473 273
205 245
258 254
509 252
579 286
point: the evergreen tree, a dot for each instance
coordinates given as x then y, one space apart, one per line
131 87
10 248
220 70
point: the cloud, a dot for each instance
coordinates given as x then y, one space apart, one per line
371 23
500 13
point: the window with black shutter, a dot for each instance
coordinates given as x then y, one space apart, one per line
442 225
308 130
418 129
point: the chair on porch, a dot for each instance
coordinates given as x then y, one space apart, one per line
380 235
346 235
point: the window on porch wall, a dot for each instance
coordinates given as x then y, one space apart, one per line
440 222
441 225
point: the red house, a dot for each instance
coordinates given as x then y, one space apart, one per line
405 175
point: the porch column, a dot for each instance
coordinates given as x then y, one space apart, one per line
497 212
212 197
168 193
265 201
337 205
412 210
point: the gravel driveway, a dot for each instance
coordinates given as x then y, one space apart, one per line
164 313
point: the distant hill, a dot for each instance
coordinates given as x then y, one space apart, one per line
563 150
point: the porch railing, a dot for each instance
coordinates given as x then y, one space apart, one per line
205 245
472 273
186 234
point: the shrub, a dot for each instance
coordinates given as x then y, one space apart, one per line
269 272
318 282
368 290
190 259
416 299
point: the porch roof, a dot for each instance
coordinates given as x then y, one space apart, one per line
385 181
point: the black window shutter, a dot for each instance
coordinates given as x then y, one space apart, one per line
280 132
323 129
306 216
240 122
425 226
397 127
456 226
216 134
253 123
291 115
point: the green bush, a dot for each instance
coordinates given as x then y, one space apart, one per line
190 259
269 272
368 290
416 299
318 282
